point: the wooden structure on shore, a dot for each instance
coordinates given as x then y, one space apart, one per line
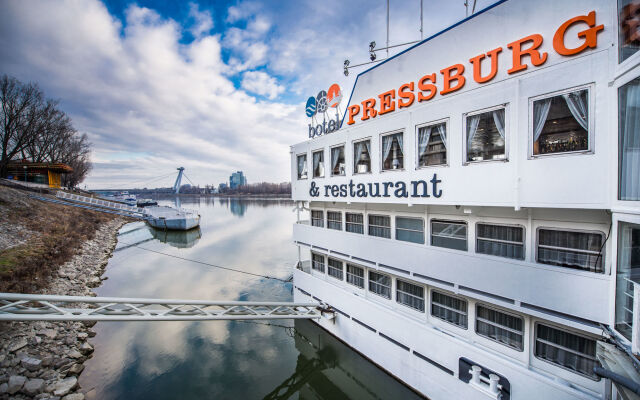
43 173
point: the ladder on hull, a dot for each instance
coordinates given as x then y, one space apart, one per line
33 307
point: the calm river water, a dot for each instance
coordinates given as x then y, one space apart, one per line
217 359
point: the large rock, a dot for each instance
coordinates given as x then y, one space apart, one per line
74 354
50 333
17 345
74 396
4 388
63 387
86 348
33 387
75 369
83 335
15 383
30 363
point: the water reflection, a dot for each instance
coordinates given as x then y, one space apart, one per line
180 239
219 359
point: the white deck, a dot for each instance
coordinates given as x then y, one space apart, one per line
171 218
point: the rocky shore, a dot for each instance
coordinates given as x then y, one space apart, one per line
42 360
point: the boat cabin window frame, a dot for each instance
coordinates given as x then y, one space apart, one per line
322 162
402 151
589 87
347 223
523 243
623 57
603 249
445 142
465 116
332 267
379 285
321 269
333 223
563 348
305 168
314 219
499 326
409 230
449 221
354 155
400 293
348 274
452 309
344 159
384 227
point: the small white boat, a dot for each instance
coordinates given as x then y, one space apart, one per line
163 217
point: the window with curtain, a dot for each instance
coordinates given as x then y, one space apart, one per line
337 160
629 141
410 295
334 220
392 152
628 267
561 123
571 249
302 166
500 240
317 218
499 326
354 222
380 226
362 157
432 145
410 229
317 262
318 164
486 136
334 268
380 284
576 353
355 276
449 234
629 28
449 309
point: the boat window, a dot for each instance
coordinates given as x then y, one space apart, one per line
628 266
449 234
629 141
354 222
337 160
629 40
560 123
334 268
571 249
449 309
317 262
499 326
410 295
392 152
380 284
432 145
410 229
302 166
317 218
380 226
568 350
334 220
362 157
500 240
486 136
318 164
355 276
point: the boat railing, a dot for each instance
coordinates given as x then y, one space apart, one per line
304 266
98 202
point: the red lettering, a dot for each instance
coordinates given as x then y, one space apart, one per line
518 52
477 66
403 93
368 110
387 102
452 73
590 35
353 110
427 87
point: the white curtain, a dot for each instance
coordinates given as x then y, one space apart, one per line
302 166
399 138
630 141
498 119
472 127
578 106
335 157
367 146
317 168
442 130
423 140
386 146
540 113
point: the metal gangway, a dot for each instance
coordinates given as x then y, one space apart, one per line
34 307
99 202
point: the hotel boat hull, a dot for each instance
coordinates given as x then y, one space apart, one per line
475 222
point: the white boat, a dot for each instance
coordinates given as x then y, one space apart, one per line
163 217
483 239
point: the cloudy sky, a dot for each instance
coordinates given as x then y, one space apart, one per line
214 86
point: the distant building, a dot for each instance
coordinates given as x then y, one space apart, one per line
237 179
222 187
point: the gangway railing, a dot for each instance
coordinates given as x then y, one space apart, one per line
98 202
89 207
34 307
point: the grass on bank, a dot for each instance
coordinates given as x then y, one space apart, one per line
56 233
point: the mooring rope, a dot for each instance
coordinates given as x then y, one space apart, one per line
205 263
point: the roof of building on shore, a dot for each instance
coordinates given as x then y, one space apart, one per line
54 167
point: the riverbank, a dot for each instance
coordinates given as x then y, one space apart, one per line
49 249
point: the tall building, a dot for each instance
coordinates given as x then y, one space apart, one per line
237 179
475 223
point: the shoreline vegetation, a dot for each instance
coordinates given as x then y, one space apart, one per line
49 249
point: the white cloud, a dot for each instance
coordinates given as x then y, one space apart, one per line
261 83
202 21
